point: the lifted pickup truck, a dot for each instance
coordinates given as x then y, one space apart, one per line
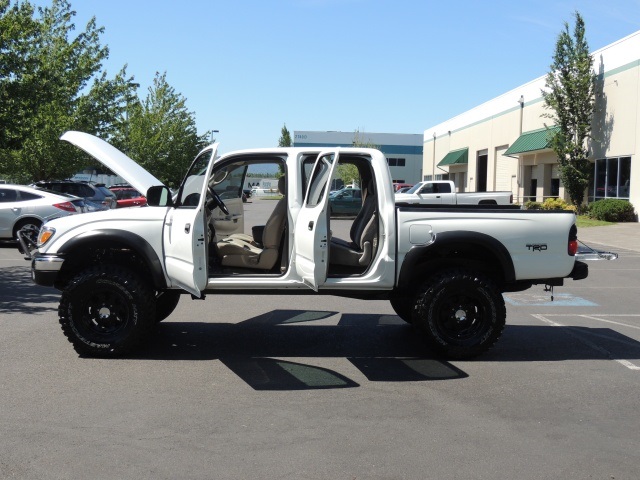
443 269
444 192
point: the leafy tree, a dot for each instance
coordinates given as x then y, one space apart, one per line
50 82
160 133
570 94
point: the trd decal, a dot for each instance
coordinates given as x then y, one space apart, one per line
537 247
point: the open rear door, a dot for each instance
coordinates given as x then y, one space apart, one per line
311 240
186 232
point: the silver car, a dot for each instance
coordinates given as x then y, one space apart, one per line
25 209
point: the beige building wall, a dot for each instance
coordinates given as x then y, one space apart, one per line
489 129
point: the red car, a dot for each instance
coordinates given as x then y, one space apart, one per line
128 197
398 186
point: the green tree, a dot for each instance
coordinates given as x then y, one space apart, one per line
570 95
50 82
285 137
160 133
283 141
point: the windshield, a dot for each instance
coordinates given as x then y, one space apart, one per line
415 188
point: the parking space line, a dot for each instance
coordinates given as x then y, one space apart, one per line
611 321
581 339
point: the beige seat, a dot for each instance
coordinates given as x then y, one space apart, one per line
246 251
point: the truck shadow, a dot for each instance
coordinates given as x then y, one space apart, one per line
266 351
19 294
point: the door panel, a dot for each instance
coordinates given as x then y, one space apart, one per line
185 231
311 241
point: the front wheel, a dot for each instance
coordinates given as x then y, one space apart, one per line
30 228
166 303
461 312
106 311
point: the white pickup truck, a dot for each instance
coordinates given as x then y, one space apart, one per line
444 192
443 269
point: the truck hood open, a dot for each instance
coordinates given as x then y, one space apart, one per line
113 159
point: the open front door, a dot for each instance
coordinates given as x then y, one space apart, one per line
311 240
186 232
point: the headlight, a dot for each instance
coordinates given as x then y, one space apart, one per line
45 235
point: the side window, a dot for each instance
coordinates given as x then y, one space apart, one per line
85 191
319 180
29 196
444 188
428 188
306 170
189 194
7 195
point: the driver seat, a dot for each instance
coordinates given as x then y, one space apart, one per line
244 251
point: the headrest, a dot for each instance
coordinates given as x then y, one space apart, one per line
281 184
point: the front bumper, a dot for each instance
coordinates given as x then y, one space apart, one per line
45 269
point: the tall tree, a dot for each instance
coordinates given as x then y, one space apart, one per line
52 82
285 137
283 141
570 95
160 133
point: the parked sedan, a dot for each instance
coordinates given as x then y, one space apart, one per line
128 197
347 201
25 209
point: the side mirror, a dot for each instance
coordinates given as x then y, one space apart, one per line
159 196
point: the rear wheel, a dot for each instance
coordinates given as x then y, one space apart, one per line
403 306
106 311
461 312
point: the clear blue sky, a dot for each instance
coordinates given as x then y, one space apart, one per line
399 66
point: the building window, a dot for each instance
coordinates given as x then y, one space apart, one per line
611 178
555 187
396 162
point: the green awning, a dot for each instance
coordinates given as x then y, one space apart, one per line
533 141
455 157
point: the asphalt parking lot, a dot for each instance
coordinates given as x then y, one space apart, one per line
277 387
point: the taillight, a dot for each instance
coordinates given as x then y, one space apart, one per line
66 206
572 247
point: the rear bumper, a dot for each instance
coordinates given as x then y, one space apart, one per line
580 271
45 269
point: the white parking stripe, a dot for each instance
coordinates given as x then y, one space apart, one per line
611 321
598 348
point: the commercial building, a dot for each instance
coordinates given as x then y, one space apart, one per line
403 151
503 144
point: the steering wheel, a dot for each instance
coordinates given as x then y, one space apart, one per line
216 201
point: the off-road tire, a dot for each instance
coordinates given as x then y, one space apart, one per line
106 311
403 305
166 303
461 312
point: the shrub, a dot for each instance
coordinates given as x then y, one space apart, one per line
612 210
531 205
556 204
